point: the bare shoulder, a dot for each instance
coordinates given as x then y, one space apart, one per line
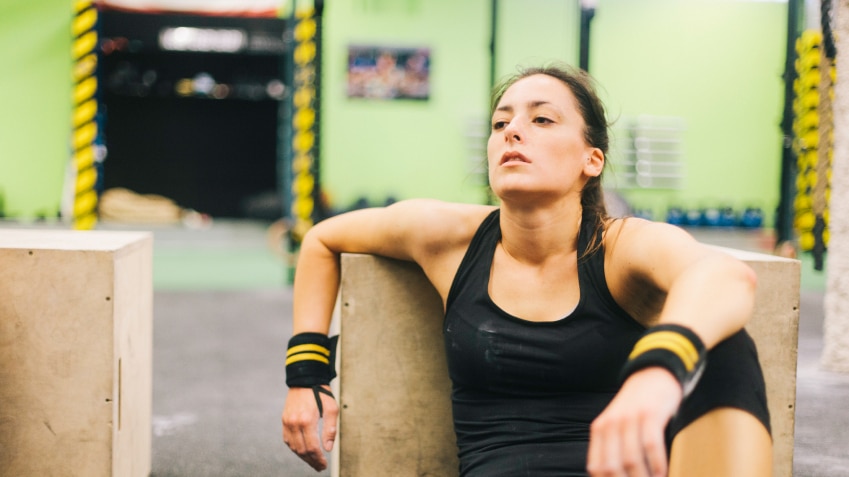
432 233
635 235
415 229
437 224
652 250
641 259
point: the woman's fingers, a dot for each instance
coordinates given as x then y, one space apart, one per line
300 426
618 449
328 430
595 454
313 454
627 439
633 450
611 463
654 443
303 441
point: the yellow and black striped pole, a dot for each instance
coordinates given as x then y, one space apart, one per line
304 124
84 135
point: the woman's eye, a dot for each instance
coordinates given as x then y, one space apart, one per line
496 125
542 120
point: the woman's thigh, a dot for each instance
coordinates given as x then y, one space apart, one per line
725 442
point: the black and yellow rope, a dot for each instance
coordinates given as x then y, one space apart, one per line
813 139
83 119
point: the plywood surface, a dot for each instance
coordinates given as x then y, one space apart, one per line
395 414
775 329
58 353
72 240
133 350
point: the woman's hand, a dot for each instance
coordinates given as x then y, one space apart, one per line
300 425
627 438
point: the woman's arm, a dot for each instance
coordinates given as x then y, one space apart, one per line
702 289
431 233
697 286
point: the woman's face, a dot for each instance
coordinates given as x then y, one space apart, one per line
536 146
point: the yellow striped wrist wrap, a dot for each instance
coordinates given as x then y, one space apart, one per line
310 360
673 347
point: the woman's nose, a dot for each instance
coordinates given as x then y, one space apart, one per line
512 132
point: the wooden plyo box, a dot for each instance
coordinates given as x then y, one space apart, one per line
775 329
76 319
393 386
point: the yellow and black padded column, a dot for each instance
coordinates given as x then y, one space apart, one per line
84 116
304 122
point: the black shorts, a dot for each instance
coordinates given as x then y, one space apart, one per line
732 378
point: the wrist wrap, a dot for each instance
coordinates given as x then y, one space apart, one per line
672 347
311 360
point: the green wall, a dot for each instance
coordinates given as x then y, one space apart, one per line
532 32
376 149
35 105
405 148
717 64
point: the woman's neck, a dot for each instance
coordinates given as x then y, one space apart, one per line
536 234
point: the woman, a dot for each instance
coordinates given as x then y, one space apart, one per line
571 338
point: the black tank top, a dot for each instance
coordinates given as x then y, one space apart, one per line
524 393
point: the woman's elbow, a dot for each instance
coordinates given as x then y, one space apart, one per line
745 283
747 277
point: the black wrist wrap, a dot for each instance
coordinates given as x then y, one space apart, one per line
310 360
673 347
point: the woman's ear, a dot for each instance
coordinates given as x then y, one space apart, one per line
595 163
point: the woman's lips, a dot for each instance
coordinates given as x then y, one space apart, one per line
513 156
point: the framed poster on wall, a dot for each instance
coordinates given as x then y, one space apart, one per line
379 72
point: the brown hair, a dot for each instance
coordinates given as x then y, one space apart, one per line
595 133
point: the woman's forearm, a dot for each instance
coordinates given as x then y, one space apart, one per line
316 286
714 297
